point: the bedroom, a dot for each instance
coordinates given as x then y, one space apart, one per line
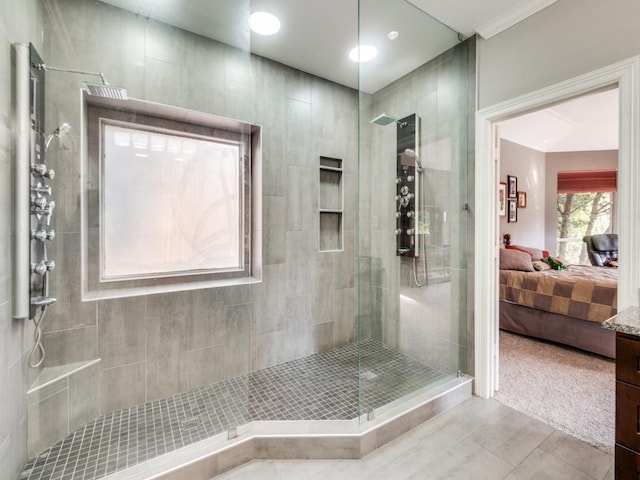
562 163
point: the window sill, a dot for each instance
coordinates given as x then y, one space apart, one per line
95 295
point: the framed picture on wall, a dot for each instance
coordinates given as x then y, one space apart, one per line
513 211
512 186
522 199
502 199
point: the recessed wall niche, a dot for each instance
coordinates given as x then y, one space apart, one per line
331 203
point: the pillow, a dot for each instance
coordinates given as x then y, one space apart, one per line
511 259
536 253
540 266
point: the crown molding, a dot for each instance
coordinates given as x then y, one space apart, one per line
511 17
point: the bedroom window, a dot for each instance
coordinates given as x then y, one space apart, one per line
585 207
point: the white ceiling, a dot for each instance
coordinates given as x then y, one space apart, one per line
586 123
317 35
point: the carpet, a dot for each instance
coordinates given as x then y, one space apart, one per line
568 389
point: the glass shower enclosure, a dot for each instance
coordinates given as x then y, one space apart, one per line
414 179
350 290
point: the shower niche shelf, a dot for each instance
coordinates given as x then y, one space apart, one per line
331 200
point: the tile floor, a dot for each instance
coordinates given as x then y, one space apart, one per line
323 386
478 440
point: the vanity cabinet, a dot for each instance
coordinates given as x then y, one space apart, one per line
627 406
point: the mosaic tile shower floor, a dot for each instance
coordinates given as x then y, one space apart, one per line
322 386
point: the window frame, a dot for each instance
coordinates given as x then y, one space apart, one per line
151 126
155 116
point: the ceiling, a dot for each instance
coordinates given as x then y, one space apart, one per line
316 36
586 123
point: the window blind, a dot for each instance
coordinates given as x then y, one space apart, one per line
587 181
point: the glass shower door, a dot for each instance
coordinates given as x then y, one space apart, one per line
413 205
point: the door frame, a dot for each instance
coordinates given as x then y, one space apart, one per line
626 76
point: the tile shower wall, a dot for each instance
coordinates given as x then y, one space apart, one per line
19 22
433 324
158 345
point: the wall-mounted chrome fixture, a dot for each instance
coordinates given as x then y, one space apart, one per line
59 132
383 120
33 205
409 184
105 89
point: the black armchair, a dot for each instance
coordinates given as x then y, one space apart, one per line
602 247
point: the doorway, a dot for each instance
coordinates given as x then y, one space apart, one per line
626 76
564 159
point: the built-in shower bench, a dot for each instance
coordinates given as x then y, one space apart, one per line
61 399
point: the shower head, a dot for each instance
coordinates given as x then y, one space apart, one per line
107 91
60 131
383 120
103 89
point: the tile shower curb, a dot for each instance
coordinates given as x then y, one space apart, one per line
344 439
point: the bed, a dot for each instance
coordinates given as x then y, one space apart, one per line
564 306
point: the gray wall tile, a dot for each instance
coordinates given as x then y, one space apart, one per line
48 422
166 341
84 396
70 346
298 334
205 366
270 350
121 331
238 335
275 214
123 387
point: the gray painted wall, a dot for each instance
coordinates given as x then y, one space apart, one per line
528 165
566 39
19 22
565 162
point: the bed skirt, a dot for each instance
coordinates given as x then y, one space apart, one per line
589 336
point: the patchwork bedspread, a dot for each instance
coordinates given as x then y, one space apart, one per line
585 292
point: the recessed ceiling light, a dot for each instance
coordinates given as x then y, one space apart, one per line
392 35
363 53
264 23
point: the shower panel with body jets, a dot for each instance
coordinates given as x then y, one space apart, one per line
410 210
34 222
41 209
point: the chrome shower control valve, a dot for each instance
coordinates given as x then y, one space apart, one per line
404 190
398 231
410 214
42 170
43 267
41 189
410 178
398 214
43 235
39 203
410 231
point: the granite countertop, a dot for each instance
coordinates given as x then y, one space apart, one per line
626 321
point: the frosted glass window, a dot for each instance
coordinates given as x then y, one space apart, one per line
171 204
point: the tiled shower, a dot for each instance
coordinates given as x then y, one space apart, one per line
355 303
